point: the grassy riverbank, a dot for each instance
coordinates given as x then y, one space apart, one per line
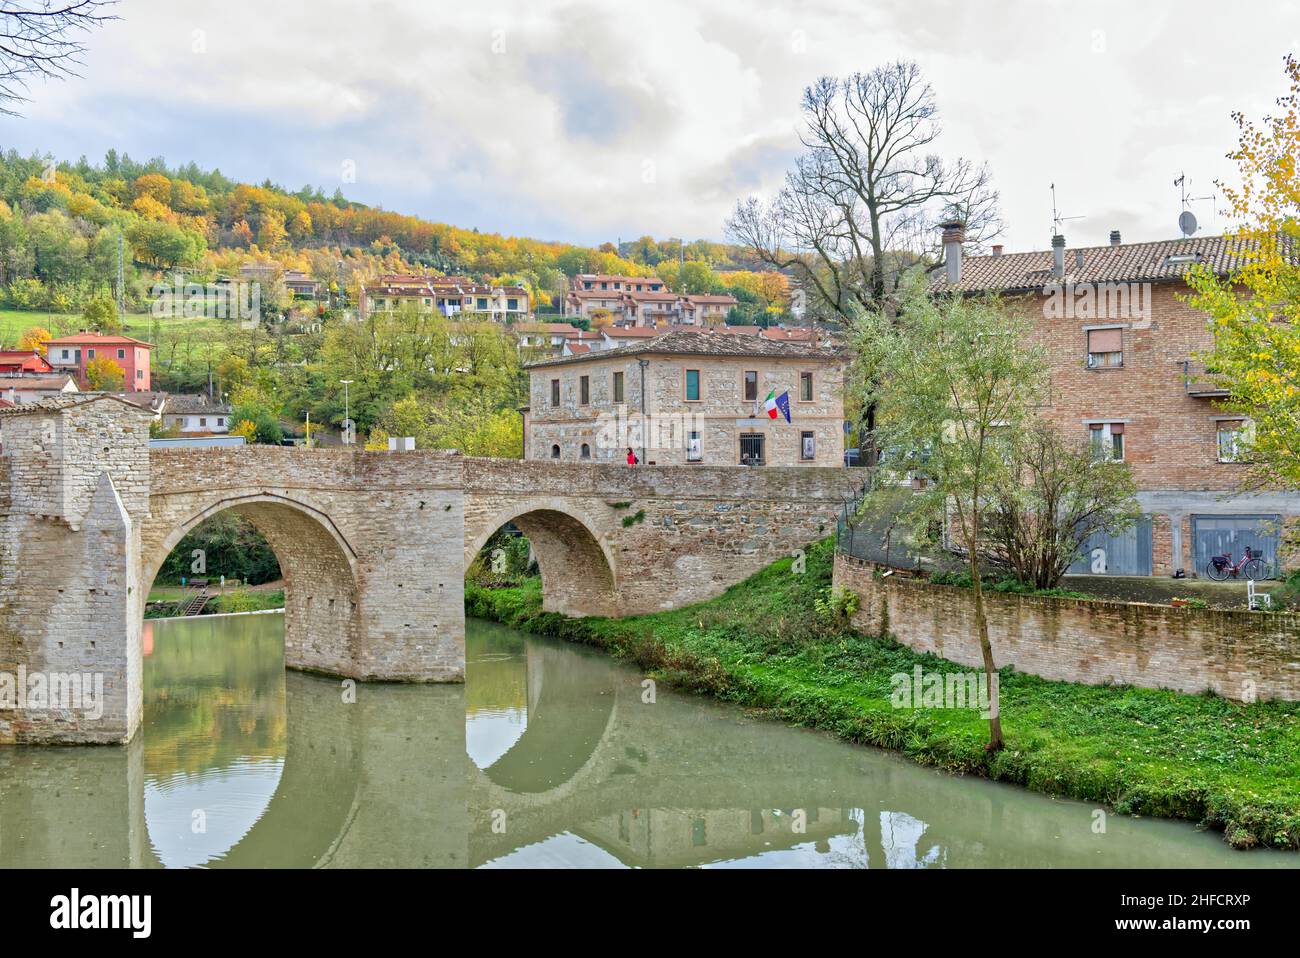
239 600
765 645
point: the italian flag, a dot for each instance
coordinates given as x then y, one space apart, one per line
776 405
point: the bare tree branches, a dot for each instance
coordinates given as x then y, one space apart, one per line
42 39
862 203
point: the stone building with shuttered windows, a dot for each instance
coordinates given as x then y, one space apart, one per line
689 397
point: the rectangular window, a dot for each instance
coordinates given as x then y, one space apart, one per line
751 385
203 421
65 354
221 421
1105 348
482 303
694 447
1233 437
139 374
805 387
1107 440
692 385
555 392
584 390
751 448
807 445
90 354
618 387
121 354
512 304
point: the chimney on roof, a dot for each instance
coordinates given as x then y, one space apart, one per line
1058 256
997 249
954 234
1114 237
1078 259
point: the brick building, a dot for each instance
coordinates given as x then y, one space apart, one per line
1123 344
702 402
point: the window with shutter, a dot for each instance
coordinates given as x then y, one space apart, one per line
1105 348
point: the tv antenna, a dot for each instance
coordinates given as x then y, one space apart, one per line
1057 218
1186 218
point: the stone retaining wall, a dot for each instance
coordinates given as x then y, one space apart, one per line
1237 654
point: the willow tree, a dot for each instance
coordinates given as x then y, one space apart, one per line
1254 310
954 380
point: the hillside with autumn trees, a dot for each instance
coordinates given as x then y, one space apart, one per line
63 226
60 226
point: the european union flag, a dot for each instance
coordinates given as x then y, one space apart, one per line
783 404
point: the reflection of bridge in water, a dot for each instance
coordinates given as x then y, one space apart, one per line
578 757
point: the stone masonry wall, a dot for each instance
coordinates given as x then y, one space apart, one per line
690 532
372 545
369 544
1236 654
70 598
715 416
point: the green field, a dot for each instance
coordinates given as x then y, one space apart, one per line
14 322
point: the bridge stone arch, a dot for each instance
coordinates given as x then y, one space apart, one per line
318 564
580 570
373 544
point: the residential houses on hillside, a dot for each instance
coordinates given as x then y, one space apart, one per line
688 397
1123 344
641 301
449 295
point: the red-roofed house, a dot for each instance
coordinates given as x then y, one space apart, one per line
72 353
18 362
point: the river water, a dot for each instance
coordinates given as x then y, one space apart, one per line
549 755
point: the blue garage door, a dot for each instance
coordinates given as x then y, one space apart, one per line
1128 553
1215 535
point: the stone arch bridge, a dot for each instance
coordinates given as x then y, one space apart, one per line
373 545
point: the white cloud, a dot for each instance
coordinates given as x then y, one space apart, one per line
587 121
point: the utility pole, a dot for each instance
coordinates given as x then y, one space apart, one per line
121 285
347 414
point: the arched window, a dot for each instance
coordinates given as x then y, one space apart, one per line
586 451
555 452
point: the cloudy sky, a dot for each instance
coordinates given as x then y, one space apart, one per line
591 121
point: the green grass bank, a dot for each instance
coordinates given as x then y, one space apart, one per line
776 643
240 600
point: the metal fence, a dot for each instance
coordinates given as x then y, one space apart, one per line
877 535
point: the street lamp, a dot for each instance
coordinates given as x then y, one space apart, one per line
347 415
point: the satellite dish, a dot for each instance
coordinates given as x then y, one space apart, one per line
1187 222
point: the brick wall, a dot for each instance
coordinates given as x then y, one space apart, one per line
1170 438
1083 640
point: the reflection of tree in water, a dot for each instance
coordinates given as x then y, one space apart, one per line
213 694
